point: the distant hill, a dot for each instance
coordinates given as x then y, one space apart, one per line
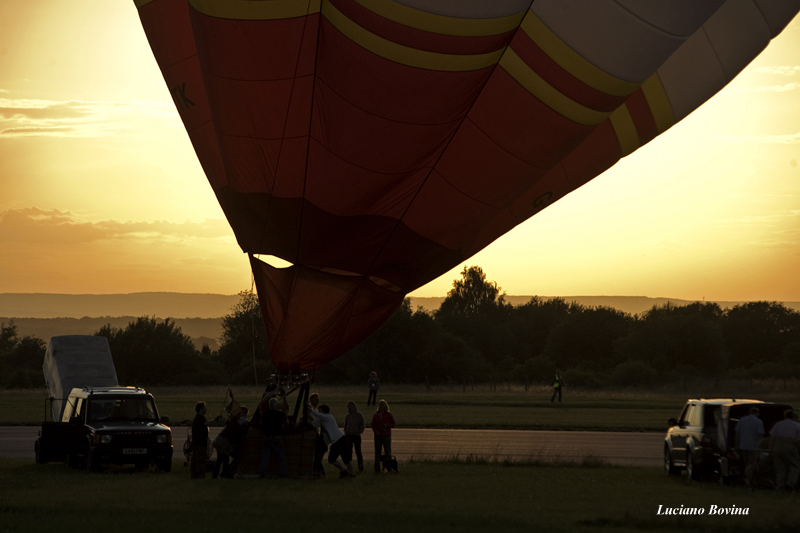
629 304
201 330
160 304
185 305
198 315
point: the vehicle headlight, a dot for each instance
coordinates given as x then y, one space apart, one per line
161 439
105 439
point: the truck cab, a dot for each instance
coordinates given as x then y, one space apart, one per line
107 425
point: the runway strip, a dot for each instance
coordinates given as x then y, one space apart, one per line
625 449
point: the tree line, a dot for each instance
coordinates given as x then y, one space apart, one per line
474 337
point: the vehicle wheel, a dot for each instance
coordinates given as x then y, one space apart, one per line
164 466
669 468
690 468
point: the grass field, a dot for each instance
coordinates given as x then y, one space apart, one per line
423 497
412 406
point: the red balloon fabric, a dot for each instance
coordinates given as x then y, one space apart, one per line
376 144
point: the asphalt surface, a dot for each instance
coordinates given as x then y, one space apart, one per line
618 448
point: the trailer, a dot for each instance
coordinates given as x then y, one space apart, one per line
94 420
76 361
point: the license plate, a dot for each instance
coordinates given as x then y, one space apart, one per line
134 451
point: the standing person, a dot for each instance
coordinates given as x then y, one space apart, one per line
199 441
353 428
373 383
558 384
273 421
785 438
340 446
382 424
749 432
320 446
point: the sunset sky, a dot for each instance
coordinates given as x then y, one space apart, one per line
101 192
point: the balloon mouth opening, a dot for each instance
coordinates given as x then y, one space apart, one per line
273 261
277 262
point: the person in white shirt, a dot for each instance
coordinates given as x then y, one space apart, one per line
749 432
340 446
785 438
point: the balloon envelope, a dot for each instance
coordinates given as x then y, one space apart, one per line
375 144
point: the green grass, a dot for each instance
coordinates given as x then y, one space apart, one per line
451 496
443 407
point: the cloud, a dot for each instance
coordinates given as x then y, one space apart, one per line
61 129
791 138
782 70
76 118
52 112
54 227
763 89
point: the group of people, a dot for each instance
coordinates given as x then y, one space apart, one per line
339 445
784 445
271 417
226 443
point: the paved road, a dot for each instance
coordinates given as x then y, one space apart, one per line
627 449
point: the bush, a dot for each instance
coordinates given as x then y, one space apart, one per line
586 379
25 378
633 373
537 369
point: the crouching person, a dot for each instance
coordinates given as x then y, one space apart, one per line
273 422
226 444
340 446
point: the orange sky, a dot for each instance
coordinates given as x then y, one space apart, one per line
100 190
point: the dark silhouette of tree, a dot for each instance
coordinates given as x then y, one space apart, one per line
409 347
586 338
758 332
531 324
148 352
678 338
8 337
243 335
472 295
20 359
476 311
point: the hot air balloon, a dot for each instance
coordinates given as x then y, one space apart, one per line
376 144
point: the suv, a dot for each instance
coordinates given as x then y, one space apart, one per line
691 441
107 425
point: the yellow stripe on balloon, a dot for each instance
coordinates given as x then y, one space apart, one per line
263 10
403 54
659 103
573 62
443 25
625 129
547 94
